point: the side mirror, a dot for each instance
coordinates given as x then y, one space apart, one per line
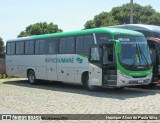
94 54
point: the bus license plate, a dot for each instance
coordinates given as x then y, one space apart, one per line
140 81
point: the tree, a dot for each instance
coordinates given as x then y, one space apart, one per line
101 20
40 28
2 47
104 19
89 24
121 15
142 14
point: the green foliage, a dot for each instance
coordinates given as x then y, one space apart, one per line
40 28
2 47
89 24
121 15
1 76
4 76
8 76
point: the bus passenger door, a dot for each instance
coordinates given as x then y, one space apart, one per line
51 67
51 59
95 76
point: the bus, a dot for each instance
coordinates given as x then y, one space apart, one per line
100 57
152 34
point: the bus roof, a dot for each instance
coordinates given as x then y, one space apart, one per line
82 32
139 26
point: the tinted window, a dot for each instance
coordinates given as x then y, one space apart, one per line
37 47
40 47
79 44
21 50
102 38
88 41
70 46
29 47
17 47
12 48
52 46
8 48
62 45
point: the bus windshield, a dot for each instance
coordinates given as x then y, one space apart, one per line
134 52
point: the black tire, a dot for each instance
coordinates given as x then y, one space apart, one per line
89 87
152 85
119 88
32 77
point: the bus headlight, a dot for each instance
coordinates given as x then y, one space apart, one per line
124 75
150 75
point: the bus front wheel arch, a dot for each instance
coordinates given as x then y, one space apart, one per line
31 76
87 85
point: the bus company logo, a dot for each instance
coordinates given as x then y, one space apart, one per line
6 117
79 60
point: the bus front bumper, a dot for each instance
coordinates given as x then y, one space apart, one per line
124 80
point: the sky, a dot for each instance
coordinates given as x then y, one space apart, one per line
69 15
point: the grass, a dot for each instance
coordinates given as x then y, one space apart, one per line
5 76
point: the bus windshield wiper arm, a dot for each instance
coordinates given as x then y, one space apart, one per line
142 54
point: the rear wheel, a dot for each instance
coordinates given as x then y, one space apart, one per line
87 84
31 77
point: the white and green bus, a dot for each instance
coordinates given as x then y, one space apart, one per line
106 57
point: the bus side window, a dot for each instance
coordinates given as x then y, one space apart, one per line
8 48
70 45
29 47
40 47
37 47
52 46
21 49
62 45
17 48
79 44
88 41
12 50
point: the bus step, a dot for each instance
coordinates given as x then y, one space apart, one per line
110 77
110 82
111 72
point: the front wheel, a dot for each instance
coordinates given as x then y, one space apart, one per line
31 77
87 84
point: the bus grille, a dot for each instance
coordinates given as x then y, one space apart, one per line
138 76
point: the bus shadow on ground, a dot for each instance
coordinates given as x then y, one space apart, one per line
123 94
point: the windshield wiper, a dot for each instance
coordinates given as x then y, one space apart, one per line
142 54
135 57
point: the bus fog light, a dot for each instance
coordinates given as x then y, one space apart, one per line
147 80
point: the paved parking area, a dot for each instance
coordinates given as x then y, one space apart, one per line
58 98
